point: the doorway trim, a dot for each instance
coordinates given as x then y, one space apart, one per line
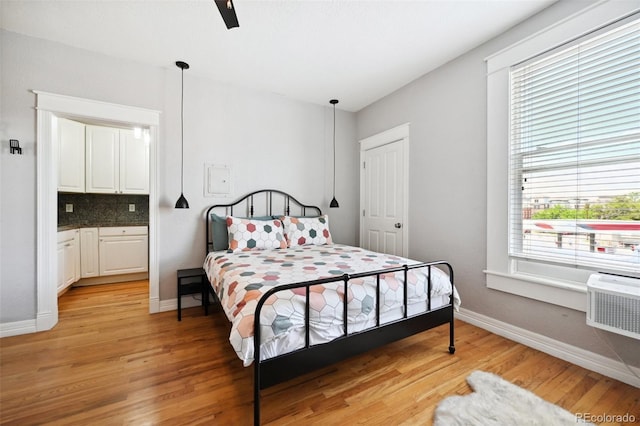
396 134
49 106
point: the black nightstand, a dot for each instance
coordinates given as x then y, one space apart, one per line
191 281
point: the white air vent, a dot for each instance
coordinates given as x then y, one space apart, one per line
614 304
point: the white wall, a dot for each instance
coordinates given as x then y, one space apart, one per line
268 140
448 211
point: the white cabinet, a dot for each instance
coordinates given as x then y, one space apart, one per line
71 155
123 250
89 258
113 251
102 159
134 163
117 162
68 259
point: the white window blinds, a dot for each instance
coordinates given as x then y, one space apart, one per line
575 152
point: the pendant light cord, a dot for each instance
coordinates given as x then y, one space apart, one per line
334 150
334 203
182 134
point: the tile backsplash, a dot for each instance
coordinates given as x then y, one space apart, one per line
102 209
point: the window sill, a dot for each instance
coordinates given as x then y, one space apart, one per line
562 293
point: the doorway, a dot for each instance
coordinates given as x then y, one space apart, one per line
49 107
384 188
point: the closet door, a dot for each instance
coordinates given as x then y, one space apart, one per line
382 213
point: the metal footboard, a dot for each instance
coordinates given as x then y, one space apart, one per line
311 357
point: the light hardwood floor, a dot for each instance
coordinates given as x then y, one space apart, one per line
110 362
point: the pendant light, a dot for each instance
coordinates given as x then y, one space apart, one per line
182 202
334 202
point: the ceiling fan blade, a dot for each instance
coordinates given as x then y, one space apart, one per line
228 12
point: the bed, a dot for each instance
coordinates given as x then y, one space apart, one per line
273 258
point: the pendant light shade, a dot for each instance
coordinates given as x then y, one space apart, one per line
334 202
182 202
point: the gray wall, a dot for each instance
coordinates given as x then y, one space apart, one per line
448 174
268 140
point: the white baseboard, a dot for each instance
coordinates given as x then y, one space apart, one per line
583 358
31 326
172 304
18 327
154 305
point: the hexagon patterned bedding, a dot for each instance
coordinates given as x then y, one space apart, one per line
241 278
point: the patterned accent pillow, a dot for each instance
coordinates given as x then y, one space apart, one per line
302 231
252 234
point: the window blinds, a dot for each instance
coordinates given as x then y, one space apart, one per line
575 152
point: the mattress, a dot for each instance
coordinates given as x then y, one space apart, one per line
240 279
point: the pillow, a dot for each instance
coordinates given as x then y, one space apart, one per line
301 231
253 234
219 233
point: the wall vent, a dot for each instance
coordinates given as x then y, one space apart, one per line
613 304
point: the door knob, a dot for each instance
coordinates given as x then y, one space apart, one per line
398 225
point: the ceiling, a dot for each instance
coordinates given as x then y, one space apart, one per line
312 51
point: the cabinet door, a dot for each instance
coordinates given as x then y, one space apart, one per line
134 163
102 160
89 260
69 263
61 266
68 259
71 156
123 255
76 255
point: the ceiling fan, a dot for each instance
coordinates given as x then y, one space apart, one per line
228 13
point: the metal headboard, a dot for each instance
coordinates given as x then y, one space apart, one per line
264 202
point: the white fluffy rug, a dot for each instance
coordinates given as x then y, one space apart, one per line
498 402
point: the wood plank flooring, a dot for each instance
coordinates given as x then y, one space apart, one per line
109 362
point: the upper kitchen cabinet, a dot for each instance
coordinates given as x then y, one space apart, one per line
70 156
117 162
134 163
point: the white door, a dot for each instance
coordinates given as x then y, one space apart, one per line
383 210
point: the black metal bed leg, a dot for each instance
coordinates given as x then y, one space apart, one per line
452 347
256 389
256 407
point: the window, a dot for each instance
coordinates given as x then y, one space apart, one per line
574 146
575 153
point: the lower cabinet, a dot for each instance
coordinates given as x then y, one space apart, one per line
104 251
123 250
89 258
68 259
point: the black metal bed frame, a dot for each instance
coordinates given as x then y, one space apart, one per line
269 372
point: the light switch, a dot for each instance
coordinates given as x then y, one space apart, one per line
132 207
68 208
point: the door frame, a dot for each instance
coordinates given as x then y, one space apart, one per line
49 106
396 134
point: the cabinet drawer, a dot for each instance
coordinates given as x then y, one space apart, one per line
65 236
117 231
